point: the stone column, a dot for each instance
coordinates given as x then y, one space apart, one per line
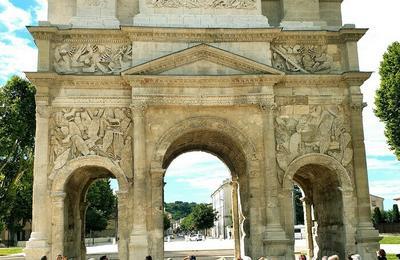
275 238
157 201
122 233
57 221
235 217
309 225
367 237
38 246
138 247
82 213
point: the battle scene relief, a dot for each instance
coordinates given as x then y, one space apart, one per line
324 130
81 132
92 58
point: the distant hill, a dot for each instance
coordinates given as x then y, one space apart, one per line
179 209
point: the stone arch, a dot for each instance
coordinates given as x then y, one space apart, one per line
345 202
322 160
68 189
61 176
244 162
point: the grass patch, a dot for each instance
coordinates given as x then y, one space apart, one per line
10 250
391 257
390 240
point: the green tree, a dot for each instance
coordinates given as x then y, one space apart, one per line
179 209
298 204
203 216
102 205
396 213
167 222
387 98
17 132
377 216
187 223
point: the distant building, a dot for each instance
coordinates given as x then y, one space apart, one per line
376 202
222 204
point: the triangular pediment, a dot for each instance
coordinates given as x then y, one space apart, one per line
202 59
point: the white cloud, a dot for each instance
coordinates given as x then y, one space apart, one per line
388 189
41 10
384 165
12 17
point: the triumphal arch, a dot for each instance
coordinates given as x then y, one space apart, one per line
271 87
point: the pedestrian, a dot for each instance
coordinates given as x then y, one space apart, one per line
59 257
356 257
104 257
381 254
302 257
192 257
43 258
148 257
333 257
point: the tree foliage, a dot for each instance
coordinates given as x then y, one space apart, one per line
102 205
203 216
387 98
298 204
167 222
179 209
377 216
187 224
396 213
17 132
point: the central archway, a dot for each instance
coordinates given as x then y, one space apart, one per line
220 138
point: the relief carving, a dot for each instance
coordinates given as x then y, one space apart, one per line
92 131
297 58
92 58
324 130
234 4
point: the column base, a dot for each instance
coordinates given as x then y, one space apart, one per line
277 245
138 247
36 247
367 240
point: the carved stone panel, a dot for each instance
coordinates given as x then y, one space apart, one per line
92 58
92 131
324 130
301 58
207 4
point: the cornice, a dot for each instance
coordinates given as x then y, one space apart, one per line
356 78
200 35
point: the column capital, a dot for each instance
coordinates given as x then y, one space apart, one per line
42 111
138 109
358 107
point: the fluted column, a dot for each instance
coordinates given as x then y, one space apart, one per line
37 245
275 237
58 223
367 237
139 240
235 217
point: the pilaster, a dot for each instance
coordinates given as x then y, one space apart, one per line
57 222
235 217
123 235
157 211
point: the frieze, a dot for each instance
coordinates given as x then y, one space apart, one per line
91 58
301 58
206 4
77 132
324 130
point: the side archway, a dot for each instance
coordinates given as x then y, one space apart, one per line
68 193
329 203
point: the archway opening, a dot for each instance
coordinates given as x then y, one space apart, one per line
323 211
90 212
229 185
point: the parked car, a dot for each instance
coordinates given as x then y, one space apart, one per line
196 237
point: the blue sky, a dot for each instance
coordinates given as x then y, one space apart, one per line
192 177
